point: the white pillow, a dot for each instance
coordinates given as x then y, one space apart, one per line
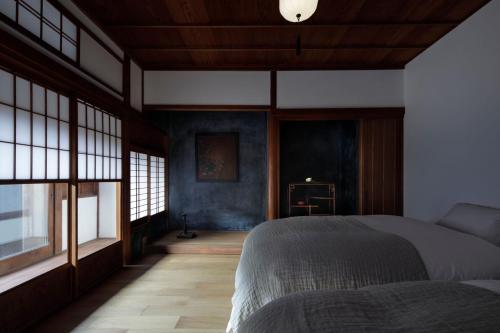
483 222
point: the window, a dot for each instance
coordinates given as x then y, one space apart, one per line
34 131
98 215
46 22
99 144
147 185
33 224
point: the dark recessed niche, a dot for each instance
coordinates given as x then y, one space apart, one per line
326 151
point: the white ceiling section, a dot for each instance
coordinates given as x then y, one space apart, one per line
340 89
135 86
95 59
207 87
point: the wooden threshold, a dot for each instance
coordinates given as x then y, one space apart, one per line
93 246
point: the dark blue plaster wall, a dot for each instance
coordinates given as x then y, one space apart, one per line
218 206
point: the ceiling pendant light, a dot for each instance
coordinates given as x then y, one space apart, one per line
297 10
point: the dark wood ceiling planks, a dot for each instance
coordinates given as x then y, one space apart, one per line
245 34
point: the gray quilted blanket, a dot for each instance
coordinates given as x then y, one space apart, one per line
424 307
291 255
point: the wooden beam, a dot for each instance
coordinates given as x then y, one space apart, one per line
282 26
279 48
228 108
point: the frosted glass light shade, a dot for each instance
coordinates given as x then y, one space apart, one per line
290 9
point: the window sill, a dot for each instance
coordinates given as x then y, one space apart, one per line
93 246
12 280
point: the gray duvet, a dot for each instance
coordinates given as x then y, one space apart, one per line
424 306
320 253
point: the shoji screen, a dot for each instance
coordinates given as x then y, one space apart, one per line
99 144
157 185
46 22
34 131
138 185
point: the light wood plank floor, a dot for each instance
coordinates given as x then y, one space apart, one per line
175 293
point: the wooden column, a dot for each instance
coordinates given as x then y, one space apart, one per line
272 153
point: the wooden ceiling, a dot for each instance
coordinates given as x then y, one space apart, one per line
246 34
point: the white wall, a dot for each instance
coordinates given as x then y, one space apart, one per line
87 219
98 61
135 86
452 121
207 87
324 89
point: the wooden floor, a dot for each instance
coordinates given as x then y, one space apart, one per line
207 242
182 293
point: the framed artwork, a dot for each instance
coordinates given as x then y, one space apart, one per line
217 157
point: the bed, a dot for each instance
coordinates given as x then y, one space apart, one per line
422 306
298 254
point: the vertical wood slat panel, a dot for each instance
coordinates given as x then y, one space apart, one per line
381 171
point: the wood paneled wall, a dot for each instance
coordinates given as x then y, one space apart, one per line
381 166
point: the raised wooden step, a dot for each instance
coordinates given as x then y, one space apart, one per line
206 242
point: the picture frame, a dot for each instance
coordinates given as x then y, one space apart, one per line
217 157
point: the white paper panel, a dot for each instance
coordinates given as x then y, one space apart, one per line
52 133
106 168
7 161
98 164
81 114
90 166
119 148
113 168
90 117
68 49
118 128
105 120
63 108
98 143
63 164
98 120
7 84
38 163
6 123
90 142
35 4
22 93
112 124
52 37
51 14
38 99
51 103
23 127
29 21
106 145
8 8
69 28
63 135
113 147
23 162
38 130
52 164
119 168
82 166
82 140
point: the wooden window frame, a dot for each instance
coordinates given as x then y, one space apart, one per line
79 27
22 260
